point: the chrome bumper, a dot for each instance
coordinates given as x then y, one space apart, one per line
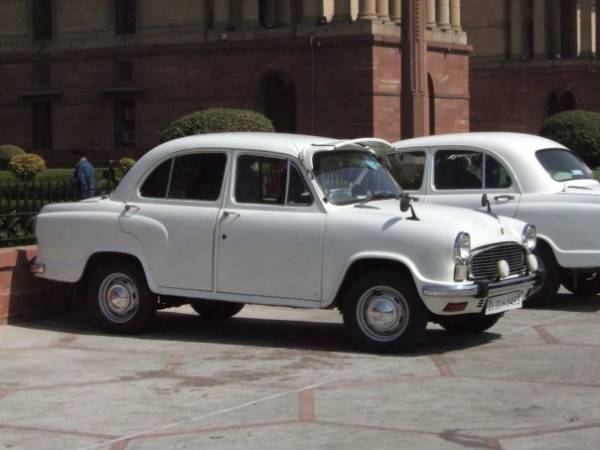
480 289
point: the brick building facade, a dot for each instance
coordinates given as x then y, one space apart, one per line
531 59
108 76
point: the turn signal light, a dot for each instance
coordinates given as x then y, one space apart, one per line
455 307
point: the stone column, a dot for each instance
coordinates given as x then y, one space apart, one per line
396 11
455 15
540 50
311 11
221 15
595 23
586 29
516 29
443 14
283 14
342 11
366 10
555 28
431 22
249 13
383 10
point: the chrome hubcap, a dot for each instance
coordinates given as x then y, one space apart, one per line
382 313
118 298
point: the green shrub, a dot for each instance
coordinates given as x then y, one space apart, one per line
7 152
577 130
217 120
125 164
27 167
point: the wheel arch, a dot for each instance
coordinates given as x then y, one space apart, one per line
367 264
102 256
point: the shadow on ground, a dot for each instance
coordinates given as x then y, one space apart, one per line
572 303
288 334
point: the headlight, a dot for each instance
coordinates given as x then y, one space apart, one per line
529 237
462 247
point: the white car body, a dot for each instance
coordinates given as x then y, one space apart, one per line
297 256
564 213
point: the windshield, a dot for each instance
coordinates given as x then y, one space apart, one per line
349 176
563 165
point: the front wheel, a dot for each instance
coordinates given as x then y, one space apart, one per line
383 312
582 283
119 297
210 309
468 323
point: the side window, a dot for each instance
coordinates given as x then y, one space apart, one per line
496 175
260 179
198 176
408 169
298 192
155 185
458 169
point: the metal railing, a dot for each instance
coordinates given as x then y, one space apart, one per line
20 202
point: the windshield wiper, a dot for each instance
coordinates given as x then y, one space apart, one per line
378 195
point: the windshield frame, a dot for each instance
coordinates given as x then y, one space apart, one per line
369 196
588 173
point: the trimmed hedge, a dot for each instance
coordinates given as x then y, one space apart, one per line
577 130
8 152
27 167
125 164
217 120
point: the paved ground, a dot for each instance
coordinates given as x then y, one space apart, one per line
286 379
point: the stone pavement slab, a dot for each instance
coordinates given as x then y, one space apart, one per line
290 379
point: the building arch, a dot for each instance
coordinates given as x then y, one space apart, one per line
559 100
279 100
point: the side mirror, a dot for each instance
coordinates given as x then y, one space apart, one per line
404 204
484 200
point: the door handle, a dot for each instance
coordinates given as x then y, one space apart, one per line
131 209
227 214
504 197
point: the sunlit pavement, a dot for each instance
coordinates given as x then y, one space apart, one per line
290 379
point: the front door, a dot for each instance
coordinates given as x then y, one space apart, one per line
271 231
460 177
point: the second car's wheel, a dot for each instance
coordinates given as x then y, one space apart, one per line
468 323
209 309
548 286
383 312
582 283
119 297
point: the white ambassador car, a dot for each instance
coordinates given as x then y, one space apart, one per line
524 176
222 220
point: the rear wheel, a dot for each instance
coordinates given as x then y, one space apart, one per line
549 284
209 309
383 312
582 283
468 323
119 297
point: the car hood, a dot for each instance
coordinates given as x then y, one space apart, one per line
582 187
483 228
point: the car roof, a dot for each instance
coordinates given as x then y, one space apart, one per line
516 149
288 145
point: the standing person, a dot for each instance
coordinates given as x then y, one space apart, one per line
84 176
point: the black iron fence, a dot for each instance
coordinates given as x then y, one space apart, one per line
20 202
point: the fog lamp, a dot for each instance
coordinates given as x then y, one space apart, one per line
503 269
532 263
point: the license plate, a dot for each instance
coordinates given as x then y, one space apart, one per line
504 302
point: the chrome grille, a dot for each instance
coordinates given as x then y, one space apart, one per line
483 262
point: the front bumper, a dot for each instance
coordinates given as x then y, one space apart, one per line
437 296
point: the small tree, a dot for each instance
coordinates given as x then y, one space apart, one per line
577 130
217 120
27 167
7 152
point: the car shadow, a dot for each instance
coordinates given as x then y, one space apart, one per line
572 303
257 332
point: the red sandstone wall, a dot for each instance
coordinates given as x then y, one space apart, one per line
515 99
22 296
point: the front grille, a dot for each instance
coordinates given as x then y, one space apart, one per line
484 261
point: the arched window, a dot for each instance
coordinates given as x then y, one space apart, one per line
560 100
279 99
431 97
